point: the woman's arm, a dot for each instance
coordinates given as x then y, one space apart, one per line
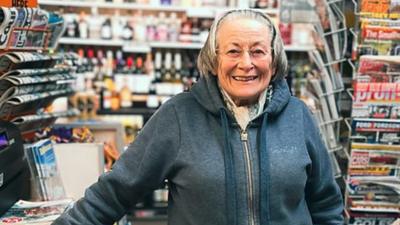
323 195
140 169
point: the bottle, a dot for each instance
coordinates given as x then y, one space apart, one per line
116 26
139 65
152 99
151 30
83 26
162 28
106 31
127 32
70 27
174 27
94 23
139 27
157 67
120 62
129 65
109 66
125 95
167 66
186 30
177 80
106 94
148 64
76 27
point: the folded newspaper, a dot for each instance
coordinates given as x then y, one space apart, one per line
26 212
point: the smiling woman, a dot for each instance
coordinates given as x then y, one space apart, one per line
244 60
237 149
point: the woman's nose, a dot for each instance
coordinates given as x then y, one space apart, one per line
245 61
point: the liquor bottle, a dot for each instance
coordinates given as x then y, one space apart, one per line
127 32
125 95
174 27
162 28
186 30
139 65
116 26
157 67
177 79
148 65
109 66
115 98
83 26
106 31
152 99
167 76
120 62
129 66
139 27
151 30
106 93
70 26
94 22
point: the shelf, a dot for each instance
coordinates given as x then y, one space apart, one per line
127 111
177 45
136 47
99 42
111 5
300 48
202 12
130 46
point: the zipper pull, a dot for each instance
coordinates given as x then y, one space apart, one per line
243 135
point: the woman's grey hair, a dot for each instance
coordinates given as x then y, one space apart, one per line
207 60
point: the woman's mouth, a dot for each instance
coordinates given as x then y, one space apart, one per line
244 78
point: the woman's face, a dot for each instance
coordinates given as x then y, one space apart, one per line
244 59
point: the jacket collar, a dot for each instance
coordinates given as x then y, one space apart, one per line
207 94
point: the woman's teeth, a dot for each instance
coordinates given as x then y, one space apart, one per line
244 78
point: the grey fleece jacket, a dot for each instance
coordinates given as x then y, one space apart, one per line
277 172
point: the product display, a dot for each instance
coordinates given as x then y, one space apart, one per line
373 183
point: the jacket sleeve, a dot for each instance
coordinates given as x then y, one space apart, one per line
323 195
139 170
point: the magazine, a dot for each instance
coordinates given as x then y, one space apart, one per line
380 9
50 184
376 131
361 218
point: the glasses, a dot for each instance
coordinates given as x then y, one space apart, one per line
237 53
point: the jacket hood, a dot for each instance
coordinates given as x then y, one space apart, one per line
207 93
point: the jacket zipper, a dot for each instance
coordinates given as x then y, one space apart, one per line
245 142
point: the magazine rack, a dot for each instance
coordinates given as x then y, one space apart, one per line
329 87
374 141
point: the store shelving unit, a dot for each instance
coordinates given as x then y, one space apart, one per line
201 12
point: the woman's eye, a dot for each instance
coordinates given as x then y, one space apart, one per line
258 52
233 52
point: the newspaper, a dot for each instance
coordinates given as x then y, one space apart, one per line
26 212
17 105
29 123
27 60
29 28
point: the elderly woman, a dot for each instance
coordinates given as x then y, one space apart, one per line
236 150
